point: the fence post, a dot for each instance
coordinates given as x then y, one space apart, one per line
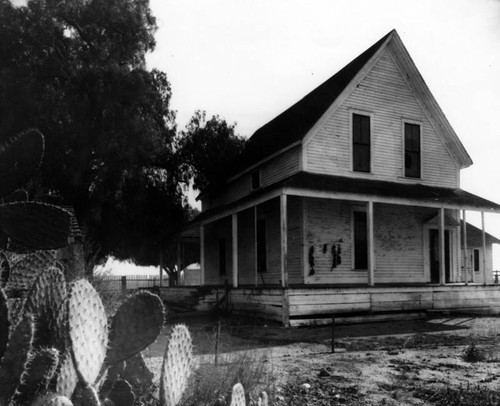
217 335
124 283
333 335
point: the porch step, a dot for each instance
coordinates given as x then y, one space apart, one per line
368 318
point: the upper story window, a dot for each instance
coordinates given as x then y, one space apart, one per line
255 180
412 148
361 143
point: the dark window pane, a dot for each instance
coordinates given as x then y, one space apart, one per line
261 246
360 240
412 150
361 143
222 256
476 260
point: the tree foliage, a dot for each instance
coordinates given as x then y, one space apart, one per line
76 71
208 149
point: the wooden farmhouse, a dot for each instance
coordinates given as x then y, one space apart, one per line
349 203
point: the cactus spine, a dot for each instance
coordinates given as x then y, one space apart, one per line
176 366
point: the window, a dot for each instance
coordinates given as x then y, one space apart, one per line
261 246
255 180
360 143
360 240
412 150
222 256
475 260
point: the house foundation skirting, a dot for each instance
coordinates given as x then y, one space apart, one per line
317 305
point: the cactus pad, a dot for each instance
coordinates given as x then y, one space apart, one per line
263 399
122 393
176 366
45 301
35 225
20 158
4 323
40 369
238 395
24 272
52 399
67 377
86 396
15 310
14 361
87 326
135 325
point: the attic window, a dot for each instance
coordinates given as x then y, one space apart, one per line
361 149
412 150
255 180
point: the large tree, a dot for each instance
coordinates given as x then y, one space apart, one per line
208 149
76 71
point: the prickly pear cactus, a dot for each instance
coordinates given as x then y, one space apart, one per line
263 399
238 395
35 225
20 159
46 302
176 366
24 272
135 325
15 310
87 328
4 323
16 355
122 393
40 369
87 396
52 399
67 378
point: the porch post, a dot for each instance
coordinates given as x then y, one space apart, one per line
235 249
284 237
202 255
371 246
442 260
465 249
179 262
255 245
484 248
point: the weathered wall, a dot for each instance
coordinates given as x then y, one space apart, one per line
213 232
399 242
385 94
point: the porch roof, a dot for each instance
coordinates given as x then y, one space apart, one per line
357 189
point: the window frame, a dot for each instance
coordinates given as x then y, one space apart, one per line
368 114
473 260
405 121
355 209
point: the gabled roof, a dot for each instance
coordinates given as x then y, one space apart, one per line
294 123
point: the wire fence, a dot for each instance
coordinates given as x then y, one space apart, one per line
117 283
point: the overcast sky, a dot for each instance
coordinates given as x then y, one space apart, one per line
249 60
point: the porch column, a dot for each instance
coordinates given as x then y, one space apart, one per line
202 255
235 249
371 246
442 260
465 249
284 237
179 260
255 245
484 248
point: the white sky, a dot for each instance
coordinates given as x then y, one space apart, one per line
249 60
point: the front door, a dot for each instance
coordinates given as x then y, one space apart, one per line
434 255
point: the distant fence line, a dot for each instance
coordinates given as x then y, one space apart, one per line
126 282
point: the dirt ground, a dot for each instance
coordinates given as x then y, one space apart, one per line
409 362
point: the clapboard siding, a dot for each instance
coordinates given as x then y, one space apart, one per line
265 303
270 211
295 245
398 236
213 233
246 247
272 171
384 94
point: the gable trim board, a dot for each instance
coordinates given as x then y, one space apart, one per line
304 118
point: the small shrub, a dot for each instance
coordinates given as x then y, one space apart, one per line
211 384
462 396
473 354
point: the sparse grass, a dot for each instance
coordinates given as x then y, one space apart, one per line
210 384
476 395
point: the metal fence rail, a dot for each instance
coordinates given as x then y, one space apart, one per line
127 282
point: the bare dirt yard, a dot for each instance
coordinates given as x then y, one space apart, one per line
443 360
